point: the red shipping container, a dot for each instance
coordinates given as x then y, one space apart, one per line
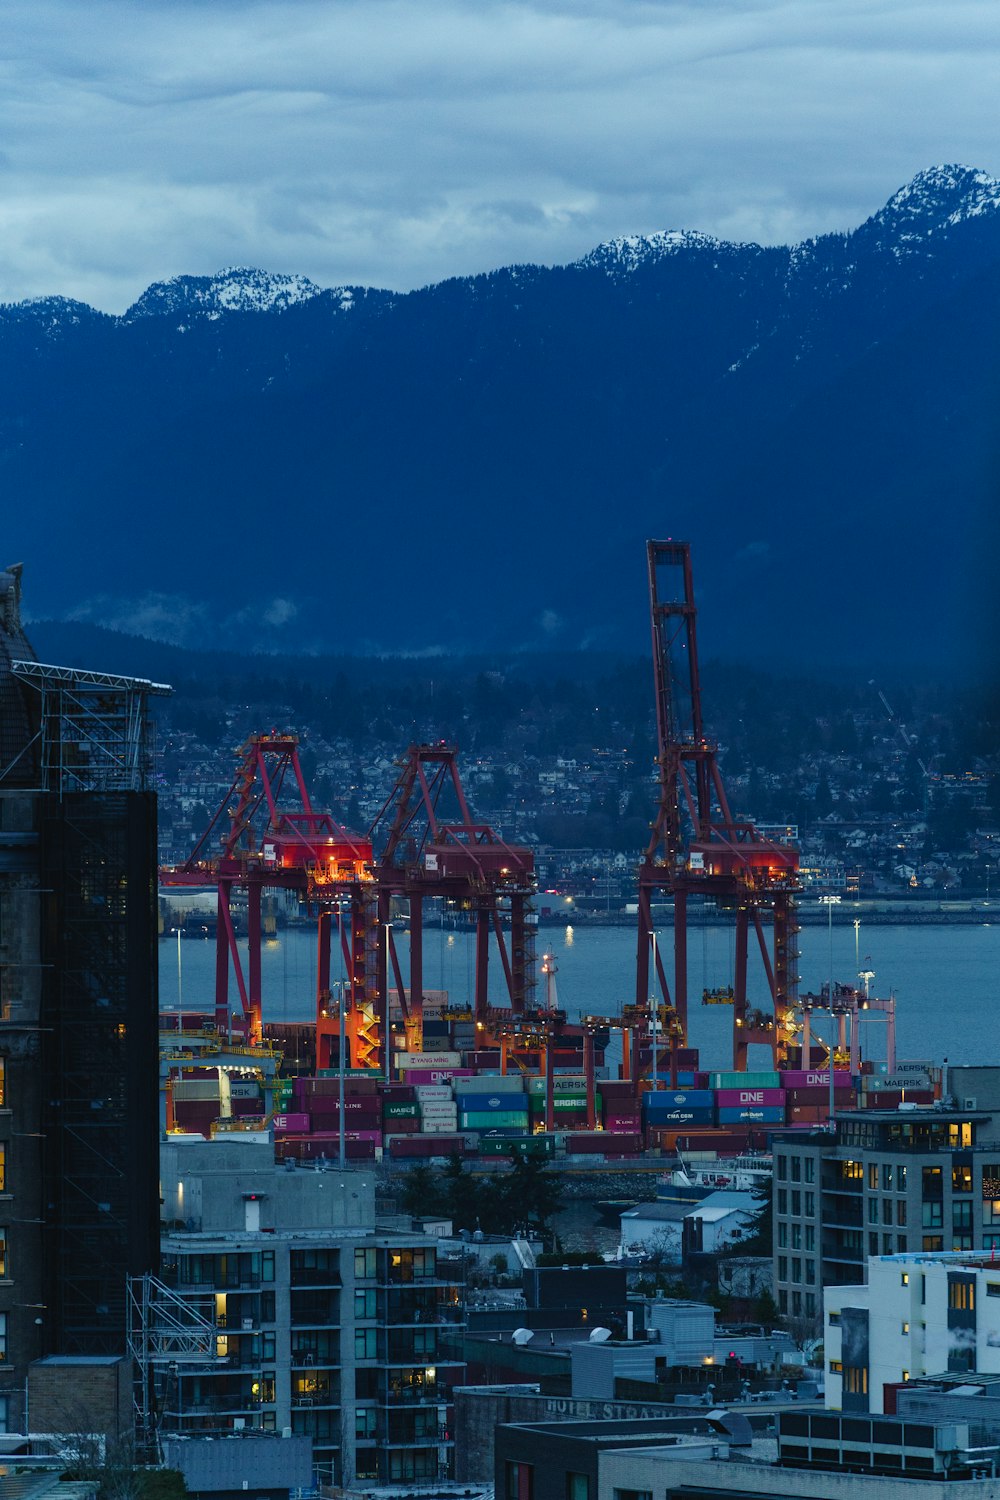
618 1088
818 1095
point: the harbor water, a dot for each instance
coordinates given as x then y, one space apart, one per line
946 979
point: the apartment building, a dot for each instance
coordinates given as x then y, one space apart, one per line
886 1183
322 1325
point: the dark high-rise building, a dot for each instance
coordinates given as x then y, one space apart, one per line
78 1007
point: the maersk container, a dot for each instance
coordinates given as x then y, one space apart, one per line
562 1083
749 1115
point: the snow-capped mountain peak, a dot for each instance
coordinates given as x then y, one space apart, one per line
933 202
630 251
236 289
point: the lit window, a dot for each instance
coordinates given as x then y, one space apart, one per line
3 1337
905 1328
3 1083
904 1279
3 1254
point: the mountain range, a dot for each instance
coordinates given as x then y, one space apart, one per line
251 461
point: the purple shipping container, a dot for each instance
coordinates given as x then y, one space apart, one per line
737 1098
297 1124
816 1078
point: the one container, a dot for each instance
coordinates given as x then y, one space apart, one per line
737 1098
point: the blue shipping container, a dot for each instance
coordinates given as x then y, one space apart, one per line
752 1114
480 1103
682 1117
667 1099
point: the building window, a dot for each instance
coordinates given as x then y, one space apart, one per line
782 1301
810 1205
961 1179
851 1171
782 1168
873 1175
932 1242
577 1487
873 1210
3 1338
4 1413
962 1295
796 1236
796 1169
810 1273
856 1380
961 1218
900 1179
633 1494
3 1254
782 1267
993 1289
3 1083
796 1202
365 1343
904 1327
365 1421
932 1182
782 1200
3 1168
796 1268
364 1264
933 1214
364 1303
796 1304
886 1210
810 1304
835 1367
901 1244
782 1235
904 1279
887 1244
833 1317
810 1237
809 1170
873 1244
520 1482
887 1177
900 1210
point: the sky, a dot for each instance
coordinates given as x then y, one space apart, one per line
398 142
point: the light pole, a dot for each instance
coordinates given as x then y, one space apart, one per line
652 1011
830 902
338 985
857 946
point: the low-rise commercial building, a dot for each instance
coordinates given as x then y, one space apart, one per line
916 1315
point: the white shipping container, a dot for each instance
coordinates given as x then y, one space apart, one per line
444 1128
434 1091
424 1060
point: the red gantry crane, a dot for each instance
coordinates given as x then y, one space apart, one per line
262 843
697 848
435 848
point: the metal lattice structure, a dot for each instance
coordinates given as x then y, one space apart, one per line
697 847
164 1330
95 733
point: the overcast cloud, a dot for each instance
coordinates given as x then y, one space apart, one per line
397 142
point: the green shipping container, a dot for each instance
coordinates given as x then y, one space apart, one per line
494 1119
399 1111
564 1102
745 1080
570 1083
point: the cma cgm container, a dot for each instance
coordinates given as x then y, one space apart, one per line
677 1116
750 1114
